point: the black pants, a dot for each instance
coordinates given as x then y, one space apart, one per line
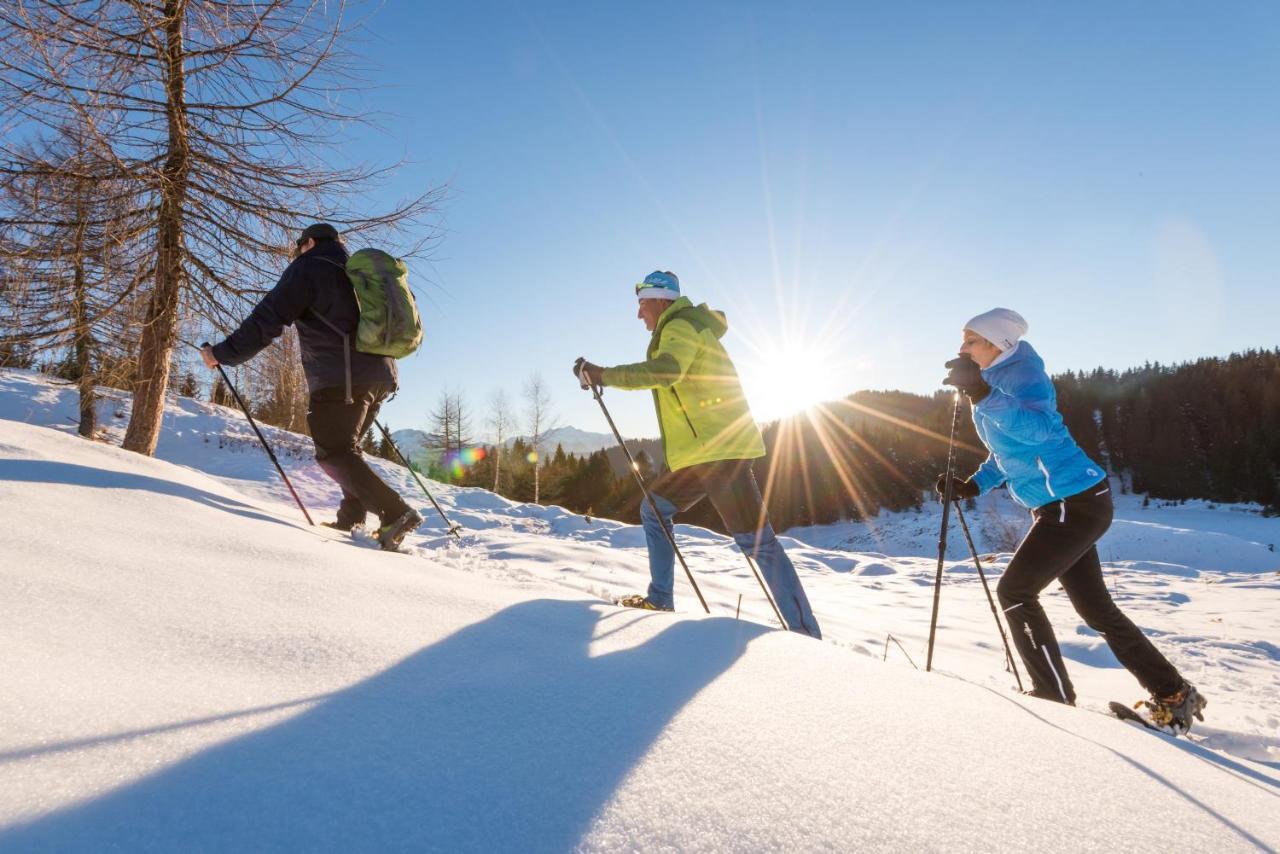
336 428
1061 545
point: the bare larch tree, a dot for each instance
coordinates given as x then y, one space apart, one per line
65 238
227 120
501 422
450 426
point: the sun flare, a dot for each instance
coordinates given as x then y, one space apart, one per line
787 377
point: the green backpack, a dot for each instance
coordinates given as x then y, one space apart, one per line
389 322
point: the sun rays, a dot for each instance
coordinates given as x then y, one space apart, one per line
854 474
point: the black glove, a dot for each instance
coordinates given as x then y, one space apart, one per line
967 376
593 375
959 488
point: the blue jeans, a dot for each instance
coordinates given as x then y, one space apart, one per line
732 488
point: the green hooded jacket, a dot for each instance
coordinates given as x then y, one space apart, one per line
702 412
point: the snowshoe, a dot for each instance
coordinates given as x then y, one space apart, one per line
339 526
641 602
393 533
1173 714
1124 713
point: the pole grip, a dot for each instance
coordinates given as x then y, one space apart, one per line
584 383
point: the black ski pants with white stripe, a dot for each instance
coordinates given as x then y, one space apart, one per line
1062 544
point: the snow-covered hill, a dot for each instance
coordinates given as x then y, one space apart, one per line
188 666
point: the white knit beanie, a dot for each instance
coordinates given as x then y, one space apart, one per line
1001 326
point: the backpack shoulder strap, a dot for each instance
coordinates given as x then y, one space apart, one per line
346 339
322 318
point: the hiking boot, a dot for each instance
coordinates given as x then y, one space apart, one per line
1174 712
641 602
391 534
340 526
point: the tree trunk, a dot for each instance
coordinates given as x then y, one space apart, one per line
86 378
83 341
159 332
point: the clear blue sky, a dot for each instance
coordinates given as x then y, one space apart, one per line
849 183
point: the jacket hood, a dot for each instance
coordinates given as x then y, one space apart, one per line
701 315
1024 357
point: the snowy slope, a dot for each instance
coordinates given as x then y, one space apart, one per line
188 666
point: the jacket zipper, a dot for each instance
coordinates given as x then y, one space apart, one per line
683 411
1045 471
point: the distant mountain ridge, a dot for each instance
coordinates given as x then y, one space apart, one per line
575 441
414 444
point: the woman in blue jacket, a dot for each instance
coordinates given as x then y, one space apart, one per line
1033 455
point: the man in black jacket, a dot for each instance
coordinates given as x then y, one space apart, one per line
347 387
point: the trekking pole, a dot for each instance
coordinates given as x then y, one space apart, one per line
597 392
1008 655
261 438
453 527
942 534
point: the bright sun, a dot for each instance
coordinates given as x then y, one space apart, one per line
785 378
792 356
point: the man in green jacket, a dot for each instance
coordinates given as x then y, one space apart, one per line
709 438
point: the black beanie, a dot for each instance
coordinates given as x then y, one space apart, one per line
318 231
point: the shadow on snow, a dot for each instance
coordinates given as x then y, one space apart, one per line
507 734
51 471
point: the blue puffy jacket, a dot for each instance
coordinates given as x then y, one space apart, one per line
1030 447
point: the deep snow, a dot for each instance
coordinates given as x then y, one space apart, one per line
188 666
